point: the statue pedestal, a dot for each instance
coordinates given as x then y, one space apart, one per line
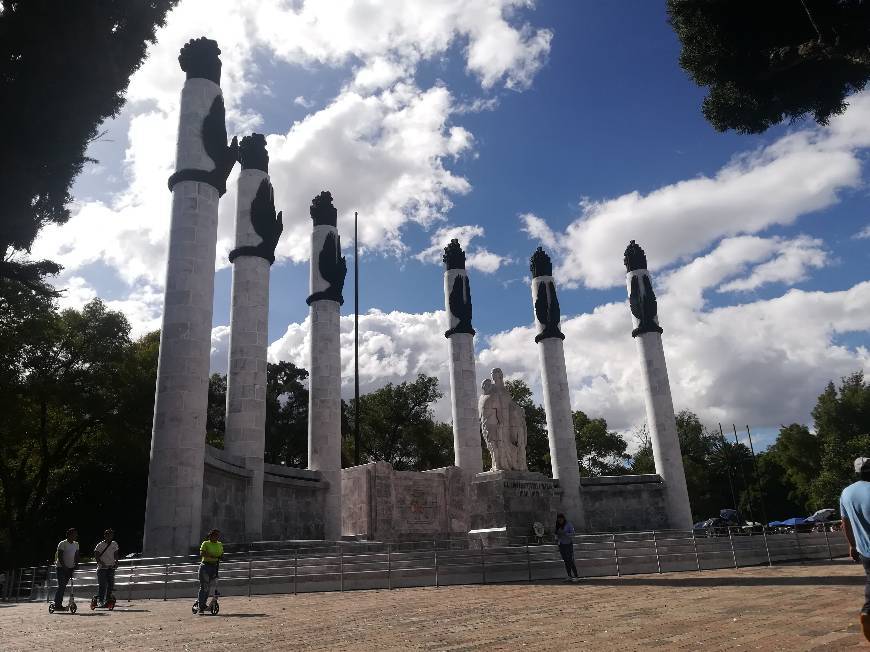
514 500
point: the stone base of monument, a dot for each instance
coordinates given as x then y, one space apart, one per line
507 504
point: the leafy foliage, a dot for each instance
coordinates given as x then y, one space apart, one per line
768 61
64 68
397 426
76 402
600 451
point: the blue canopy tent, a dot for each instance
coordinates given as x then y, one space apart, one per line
789 522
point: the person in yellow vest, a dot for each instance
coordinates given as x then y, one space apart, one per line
211 550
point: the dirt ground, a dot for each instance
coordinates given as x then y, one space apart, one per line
811 607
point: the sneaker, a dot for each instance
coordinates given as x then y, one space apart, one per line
865 625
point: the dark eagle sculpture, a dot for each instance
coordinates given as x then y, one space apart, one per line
459 301
643 304
547 311
266 223
333 269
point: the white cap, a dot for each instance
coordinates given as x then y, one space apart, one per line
862 464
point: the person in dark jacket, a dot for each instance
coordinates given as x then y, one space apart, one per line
565 538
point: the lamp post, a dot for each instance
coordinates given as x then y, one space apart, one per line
355 341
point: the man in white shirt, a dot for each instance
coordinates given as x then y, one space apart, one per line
106 555
66 559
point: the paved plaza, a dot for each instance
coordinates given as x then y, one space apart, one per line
811 607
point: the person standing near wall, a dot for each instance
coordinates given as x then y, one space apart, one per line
565 538
855 511
106 556
66 560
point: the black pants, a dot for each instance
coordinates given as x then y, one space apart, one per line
567 552
64 575
106 583
865 562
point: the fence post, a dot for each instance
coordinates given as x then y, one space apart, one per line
249 572
483 560
766 547
528 559
731 542
827 543
295 568
435 551
800 551
615 554
656 547
389 566
340 567
695 548
165 580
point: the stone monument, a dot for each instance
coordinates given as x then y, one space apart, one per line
328 271
257 231
554 378
203 163
460 343
656 388
503 425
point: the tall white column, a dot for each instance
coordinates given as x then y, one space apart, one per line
203 162
328 270
554 378
467 452
656 388
257 231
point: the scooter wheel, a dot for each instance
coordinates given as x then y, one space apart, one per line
195 608
73 608
51 607
215 608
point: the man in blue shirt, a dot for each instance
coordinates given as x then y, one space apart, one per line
855 510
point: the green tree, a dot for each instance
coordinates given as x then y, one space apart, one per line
600 451
286 415
642 461
64 68
76 396
797 452
397 425
842 424
765 62
215 415
537 443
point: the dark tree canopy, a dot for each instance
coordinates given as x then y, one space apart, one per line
64 69
765 62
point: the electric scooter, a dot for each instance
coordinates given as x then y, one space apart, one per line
71 605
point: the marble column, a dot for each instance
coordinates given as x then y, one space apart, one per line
203 163
554 379
656 388
467 452
328 270
257 231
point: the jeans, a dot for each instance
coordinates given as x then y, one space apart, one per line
865 562
207 574
64 575
567 552
106 582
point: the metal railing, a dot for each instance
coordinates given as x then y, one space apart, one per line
296 567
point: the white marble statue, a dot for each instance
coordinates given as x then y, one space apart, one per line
503 424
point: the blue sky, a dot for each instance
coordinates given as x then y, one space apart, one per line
564 123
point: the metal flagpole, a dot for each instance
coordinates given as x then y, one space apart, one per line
743 474
355 341
728 469
757 477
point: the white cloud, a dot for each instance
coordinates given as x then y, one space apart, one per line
537 229
220 349
796 175
301 101
863 233
382 145
790 265
75 293
477 257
